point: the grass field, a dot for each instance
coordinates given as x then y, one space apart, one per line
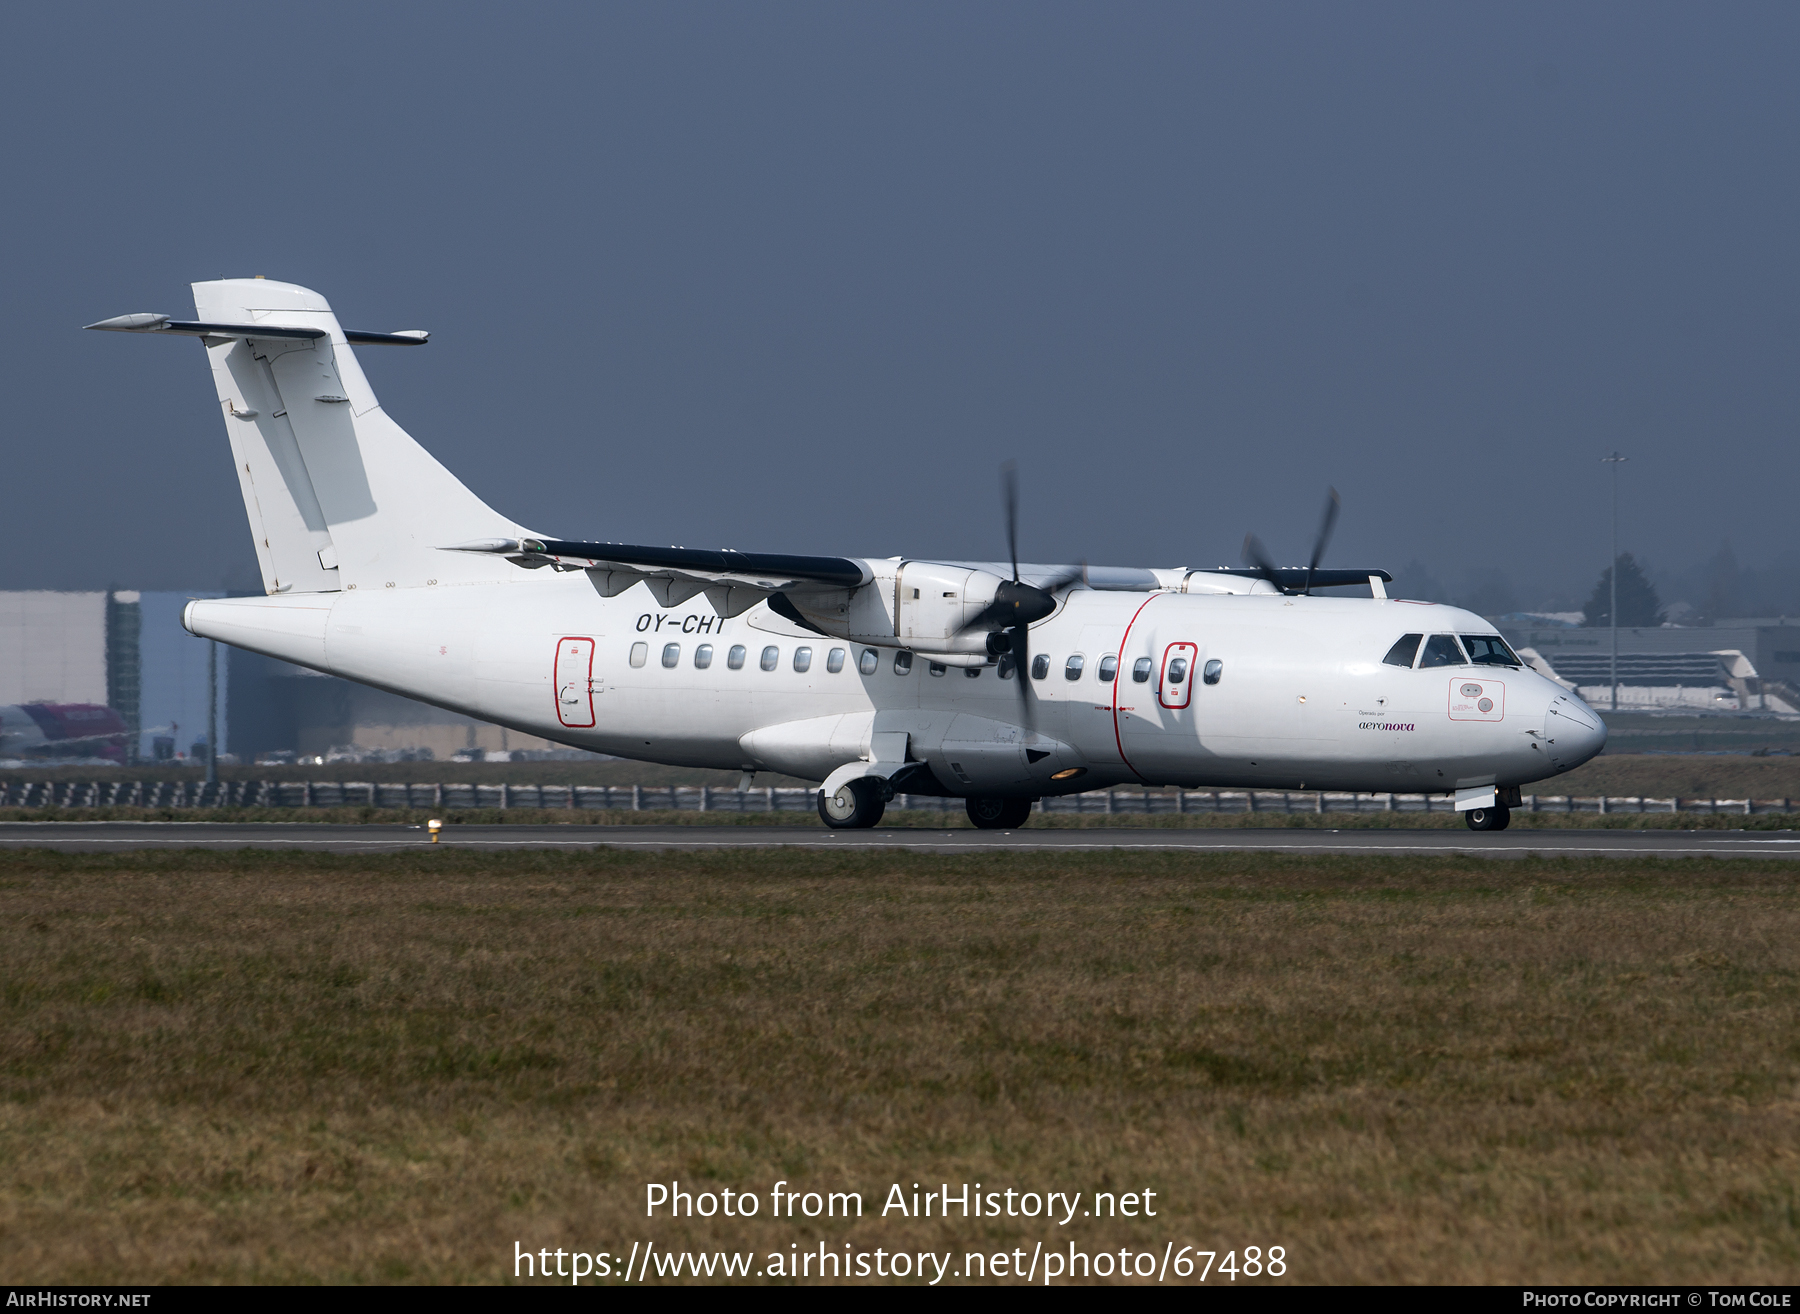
274 1067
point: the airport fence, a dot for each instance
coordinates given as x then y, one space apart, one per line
686 798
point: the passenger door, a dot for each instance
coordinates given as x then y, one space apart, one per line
575 682
1175 680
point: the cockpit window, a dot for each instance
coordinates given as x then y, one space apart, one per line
1405 648
1441 650
1489 650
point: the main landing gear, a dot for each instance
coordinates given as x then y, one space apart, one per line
1498 817
999 813
858 804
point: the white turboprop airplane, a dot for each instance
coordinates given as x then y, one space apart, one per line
998 684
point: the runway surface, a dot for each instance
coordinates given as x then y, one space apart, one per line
106 836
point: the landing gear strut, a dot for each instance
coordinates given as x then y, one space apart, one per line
857 805
1498 817
999 813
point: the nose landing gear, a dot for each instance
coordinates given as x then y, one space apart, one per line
1498 817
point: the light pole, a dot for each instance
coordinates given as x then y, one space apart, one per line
1612 572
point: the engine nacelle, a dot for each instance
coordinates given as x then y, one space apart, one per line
919 605
932 602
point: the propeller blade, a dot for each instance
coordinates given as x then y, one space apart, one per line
1020 636
1255 555
1326 526
1069 575
1009 491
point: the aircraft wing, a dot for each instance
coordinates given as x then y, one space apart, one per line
676 574
1133 579
1291 579
732 581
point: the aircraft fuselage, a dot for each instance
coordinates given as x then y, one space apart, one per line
1300 696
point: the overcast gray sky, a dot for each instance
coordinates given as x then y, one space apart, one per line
799 277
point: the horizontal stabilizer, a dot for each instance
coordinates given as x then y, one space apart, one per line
148 323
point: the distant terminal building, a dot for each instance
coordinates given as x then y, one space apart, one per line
1698 681
53 646
1750 665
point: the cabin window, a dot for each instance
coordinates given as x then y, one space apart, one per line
902 662
869 660
703 657
936 668
1040 666
834 662
1441 650
803 659
771 657
1177 670
1140 670
1489 650
640 653
1109 667
735 658
1072 667
671 654
1212 671
1405 648
1006 666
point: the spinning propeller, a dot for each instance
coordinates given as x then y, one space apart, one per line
1018 605
1255 555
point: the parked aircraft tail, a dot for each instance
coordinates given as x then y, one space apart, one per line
338 495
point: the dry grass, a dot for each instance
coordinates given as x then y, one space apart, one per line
275 1067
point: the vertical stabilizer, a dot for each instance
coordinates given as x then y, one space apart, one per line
339 496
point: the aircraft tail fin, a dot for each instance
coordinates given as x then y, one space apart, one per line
339 496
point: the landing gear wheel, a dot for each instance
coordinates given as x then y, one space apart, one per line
999 813
857 805
1498 817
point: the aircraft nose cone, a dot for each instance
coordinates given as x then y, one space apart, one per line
1574 730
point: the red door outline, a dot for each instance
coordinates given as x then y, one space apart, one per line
1176 696
573 687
